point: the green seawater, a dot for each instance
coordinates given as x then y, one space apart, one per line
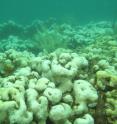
73 11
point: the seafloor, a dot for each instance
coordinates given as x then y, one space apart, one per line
58 73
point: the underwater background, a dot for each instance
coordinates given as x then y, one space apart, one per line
78 11
58 61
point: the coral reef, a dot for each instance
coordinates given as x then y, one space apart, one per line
58 73
45 87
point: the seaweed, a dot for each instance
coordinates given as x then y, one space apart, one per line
100 114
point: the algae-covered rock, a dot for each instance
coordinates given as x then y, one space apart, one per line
111 106
106 79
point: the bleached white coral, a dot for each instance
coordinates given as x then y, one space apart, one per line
54 95
86 119
84 94
60 112
43 89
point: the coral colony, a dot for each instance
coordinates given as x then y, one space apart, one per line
58 73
